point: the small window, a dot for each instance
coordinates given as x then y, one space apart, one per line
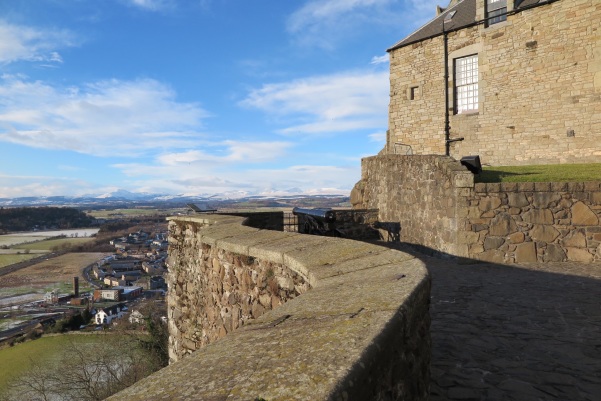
466 84
496 11
413 91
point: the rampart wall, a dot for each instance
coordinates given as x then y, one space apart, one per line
286 316
440 208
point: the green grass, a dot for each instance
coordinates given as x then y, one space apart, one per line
16 360
10 259
51 243
10 240
541 173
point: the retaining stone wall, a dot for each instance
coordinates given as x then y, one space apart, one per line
530 222
360 332
441 210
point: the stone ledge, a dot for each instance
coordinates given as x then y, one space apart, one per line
360 333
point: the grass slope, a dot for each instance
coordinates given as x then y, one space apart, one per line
16 360
541 173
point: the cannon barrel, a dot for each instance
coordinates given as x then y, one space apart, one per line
325 215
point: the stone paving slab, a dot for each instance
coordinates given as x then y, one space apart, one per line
507 332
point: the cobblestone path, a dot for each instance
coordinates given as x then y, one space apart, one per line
528 332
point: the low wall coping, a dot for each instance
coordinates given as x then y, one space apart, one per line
314 347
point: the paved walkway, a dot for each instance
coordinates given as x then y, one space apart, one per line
528 332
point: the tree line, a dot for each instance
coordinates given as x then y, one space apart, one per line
29 218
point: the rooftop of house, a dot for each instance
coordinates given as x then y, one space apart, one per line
457 15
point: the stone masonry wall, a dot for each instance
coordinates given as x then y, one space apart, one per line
213 291
530 222
440 208
359 332
425 194
539 89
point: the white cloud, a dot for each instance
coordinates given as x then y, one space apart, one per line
102 118
228 152
19 186
379 137
32 44
151 5
323 23
326 104
380 59
213 179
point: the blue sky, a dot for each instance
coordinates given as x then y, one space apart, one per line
194 96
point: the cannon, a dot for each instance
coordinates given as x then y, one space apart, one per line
316 221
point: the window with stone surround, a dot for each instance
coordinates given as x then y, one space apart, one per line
496 11
466 84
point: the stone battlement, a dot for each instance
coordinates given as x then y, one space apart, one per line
321 318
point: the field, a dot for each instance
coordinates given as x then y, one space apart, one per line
9 259
57 270
16 360
12 240
47 245
541 173
104 214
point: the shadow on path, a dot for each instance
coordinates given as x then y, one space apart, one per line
505 332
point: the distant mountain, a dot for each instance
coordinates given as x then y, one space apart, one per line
123 198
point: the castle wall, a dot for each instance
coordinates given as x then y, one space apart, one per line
539 89
439 208
536 222
335 318
427 195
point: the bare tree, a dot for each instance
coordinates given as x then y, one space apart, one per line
87 372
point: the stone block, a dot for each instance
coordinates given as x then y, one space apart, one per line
509 186
517 199
543 200
489 203
579 255
575 239
538 216
554 253
582 215
493 256
525 252
493 243
559 186
516 238
544 233
463 180
502 225
525 186
542 186
480 187
596 198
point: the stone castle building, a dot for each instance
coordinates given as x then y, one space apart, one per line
523 83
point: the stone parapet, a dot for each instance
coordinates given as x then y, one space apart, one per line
321 318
